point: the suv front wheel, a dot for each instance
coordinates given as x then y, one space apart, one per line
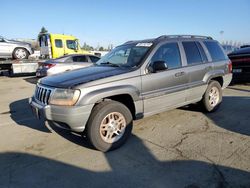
109 126
212 97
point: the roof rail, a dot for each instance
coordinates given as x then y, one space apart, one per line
128 42
183 36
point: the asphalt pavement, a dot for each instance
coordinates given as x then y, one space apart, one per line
181 148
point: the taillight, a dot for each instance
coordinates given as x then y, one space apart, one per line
230 66
48 65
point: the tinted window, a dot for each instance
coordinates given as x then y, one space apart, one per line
80 59
202 52
170 54
94 59
215 50
192 53
58 43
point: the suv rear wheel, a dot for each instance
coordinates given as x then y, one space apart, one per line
212 97
109 126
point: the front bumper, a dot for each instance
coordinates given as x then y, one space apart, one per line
73 117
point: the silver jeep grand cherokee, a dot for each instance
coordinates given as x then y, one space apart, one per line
14 49
134 80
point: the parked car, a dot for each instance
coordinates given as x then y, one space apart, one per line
229 48
241 64
14 49
65 63
134 80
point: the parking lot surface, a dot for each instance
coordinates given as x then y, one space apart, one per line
179 148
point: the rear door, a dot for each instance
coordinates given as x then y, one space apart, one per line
80 61
165 89
197 66
63 64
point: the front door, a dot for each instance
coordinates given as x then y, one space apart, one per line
166 89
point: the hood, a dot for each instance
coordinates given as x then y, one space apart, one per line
19 42
81 76
242 51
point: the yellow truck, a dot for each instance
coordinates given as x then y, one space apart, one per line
57 45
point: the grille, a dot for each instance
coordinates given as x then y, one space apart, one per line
42 94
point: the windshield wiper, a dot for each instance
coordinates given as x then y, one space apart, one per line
108 63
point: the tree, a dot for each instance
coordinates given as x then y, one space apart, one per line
101 49
87 47
43 30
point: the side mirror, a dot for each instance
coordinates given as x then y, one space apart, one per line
158 66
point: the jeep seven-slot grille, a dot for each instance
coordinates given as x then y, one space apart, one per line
42 94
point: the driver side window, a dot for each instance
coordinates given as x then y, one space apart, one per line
170 54
71 44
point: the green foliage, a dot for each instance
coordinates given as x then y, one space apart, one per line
87 47
43 30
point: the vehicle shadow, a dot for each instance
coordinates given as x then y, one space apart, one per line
77 138
233 114
131 166
32 80
21 113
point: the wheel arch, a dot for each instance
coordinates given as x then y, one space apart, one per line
21 47
127 95
215 75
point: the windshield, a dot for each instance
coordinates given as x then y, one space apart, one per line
126 55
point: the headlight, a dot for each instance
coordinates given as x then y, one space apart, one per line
64 97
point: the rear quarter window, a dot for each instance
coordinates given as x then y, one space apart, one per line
80 59
215 50
94 59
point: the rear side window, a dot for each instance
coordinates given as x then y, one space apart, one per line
80 59
58 43
94 59
192 53
215 50
170 54
203 55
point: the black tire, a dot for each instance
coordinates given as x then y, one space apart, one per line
24 50
98 115
208 107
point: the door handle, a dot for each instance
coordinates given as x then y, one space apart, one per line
178 74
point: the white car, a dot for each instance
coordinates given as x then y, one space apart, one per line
65 63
